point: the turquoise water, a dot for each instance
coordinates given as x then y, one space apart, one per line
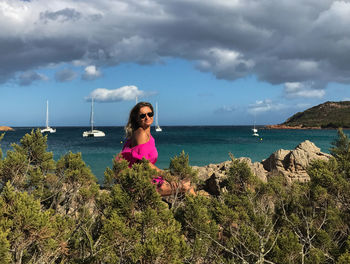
204 144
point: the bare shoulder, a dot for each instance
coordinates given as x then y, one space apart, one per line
141 136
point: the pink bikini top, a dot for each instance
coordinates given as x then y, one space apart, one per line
135 154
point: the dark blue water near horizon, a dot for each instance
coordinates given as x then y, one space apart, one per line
204 144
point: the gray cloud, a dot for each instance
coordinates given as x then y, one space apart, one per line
301 41
27 78
65 75
61 15
304 90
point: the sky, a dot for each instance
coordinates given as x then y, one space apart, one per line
205 62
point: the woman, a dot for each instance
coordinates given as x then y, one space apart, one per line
140 144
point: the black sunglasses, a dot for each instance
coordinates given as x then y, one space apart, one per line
150 114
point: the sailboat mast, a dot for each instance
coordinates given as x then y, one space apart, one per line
156 114
47 113
92 114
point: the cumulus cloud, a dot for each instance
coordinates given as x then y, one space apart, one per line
280 42
27 78
225 63
304 90
65 75
125 93
91 73
263 106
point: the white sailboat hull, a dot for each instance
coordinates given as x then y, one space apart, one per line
159 129
48 130
94 133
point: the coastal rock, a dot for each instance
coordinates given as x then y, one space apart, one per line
213 175
256 167
6 128
291 164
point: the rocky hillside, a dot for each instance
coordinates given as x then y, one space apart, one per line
326 115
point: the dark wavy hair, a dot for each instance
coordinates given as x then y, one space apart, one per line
132 124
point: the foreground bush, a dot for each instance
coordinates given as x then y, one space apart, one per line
55 212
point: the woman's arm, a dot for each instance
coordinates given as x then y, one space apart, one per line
155 167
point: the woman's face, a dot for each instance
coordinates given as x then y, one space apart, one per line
145 116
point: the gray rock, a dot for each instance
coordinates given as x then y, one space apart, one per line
291 164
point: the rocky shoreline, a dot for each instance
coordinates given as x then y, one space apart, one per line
291 164
289 127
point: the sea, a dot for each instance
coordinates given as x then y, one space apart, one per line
203 144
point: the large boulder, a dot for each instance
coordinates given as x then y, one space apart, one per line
291 164
213 175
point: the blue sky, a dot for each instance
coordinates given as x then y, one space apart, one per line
204 62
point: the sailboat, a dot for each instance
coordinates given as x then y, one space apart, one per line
158 128
47 128
255 131
93 132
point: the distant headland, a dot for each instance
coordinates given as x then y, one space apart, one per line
326 115
6 128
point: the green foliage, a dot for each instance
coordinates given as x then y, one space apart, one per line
55 212
28 164
111 176
344 258
179 166
200 229
240 178
34 146
287 249
5 255
137 226
14 168
341 152
1 137
31 232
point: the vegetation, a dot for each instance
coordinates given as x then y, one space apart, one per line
55 212
326 115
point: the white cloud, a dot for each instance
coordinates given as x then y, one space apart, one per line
263 106
91 73
125 93
304 90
